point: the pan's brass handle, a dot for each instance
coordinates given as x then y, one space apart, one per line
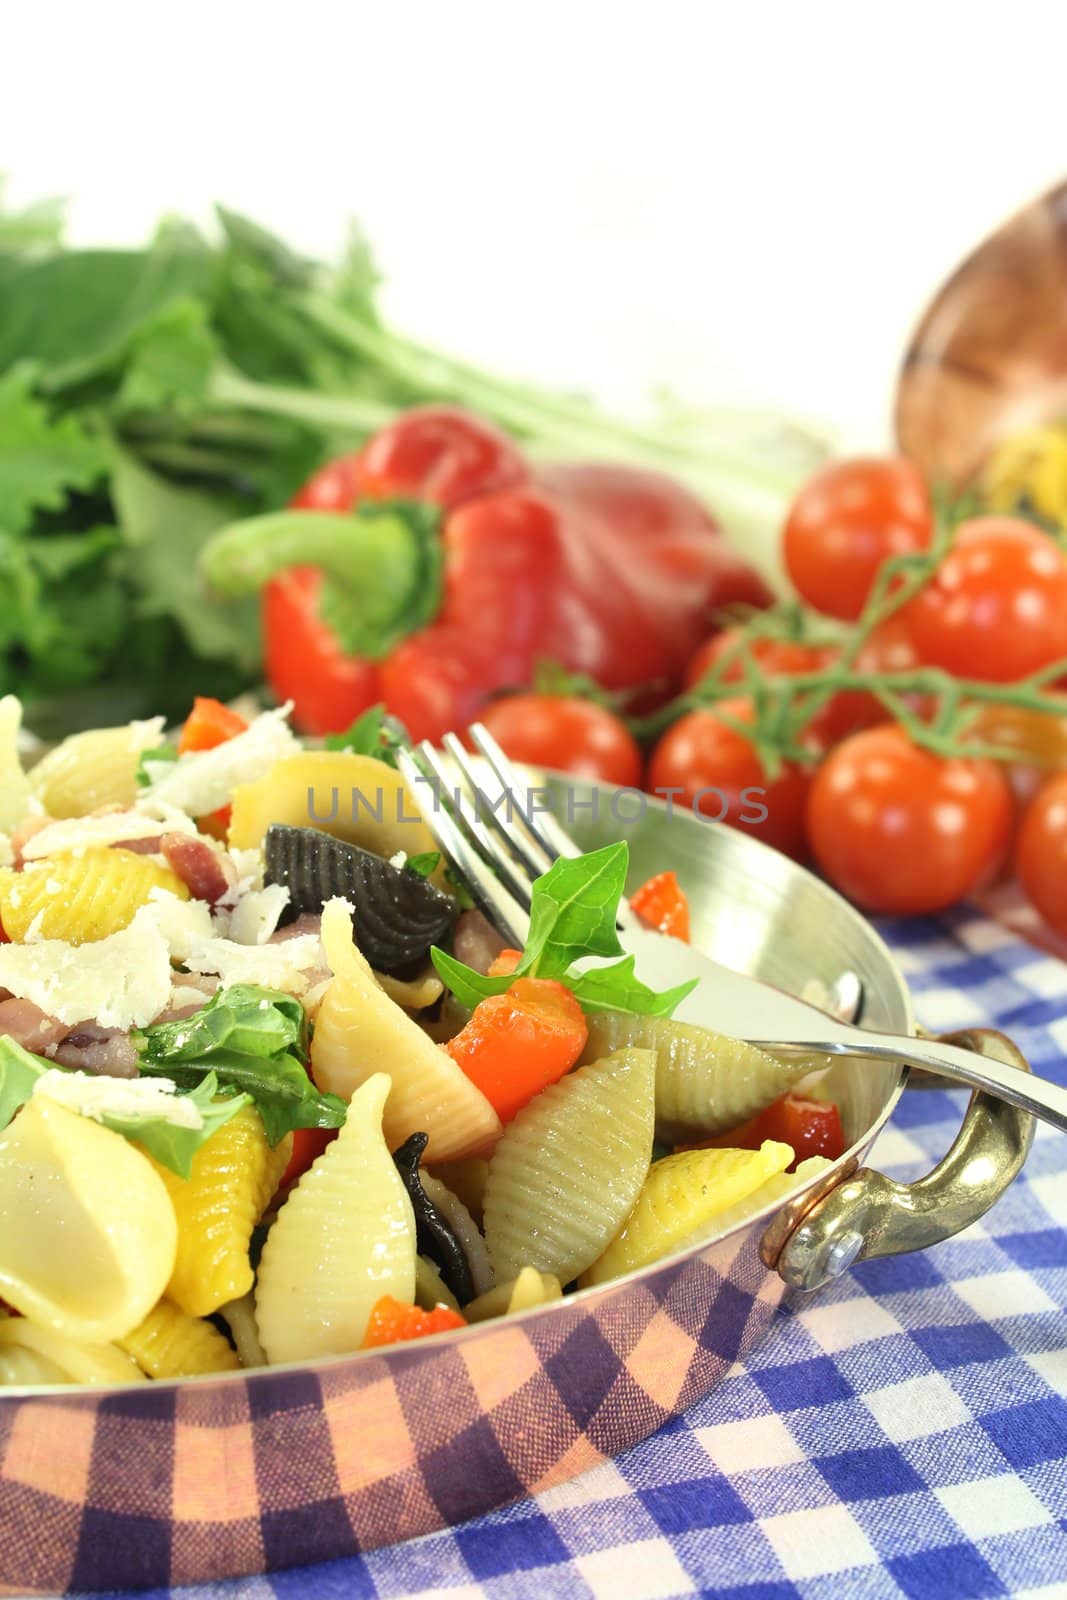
866 1214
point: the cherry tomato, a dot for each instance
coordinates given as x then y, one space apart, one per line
996 608
848 520
714 770
1041 852
570 735
901 830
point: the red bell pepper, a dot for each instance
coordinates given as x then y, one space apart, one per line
437 566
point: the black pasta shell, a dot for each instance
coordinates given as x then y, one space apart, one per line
434 1236
398 915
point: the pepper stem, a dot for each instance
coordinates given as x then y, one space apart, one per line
381 566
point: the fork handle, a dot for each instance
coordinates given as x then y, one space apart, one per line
1036 1095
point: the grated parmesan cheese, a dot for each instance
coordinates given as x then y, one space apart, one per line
100 1096
203 780
122 981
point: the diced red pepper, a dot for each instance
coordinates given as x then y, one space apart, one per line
661 902
505 963
391 1321
308 1145
810 1127
517 1043
208 724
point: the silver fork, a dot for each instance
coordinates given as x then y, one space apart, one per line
501 855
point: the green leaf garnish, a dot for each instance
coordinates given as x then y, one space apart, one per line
19 1071
573 913
254 1041
162 753
374 733
423 863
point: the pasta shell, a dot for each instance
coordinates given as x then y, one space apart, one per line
240 1317
430 1288
682 1194
83 897
344 1238
359 1031
15 790
350 796
76 1360
97 768
25 1368
87 1230
775 1190
233 1179
531 1288
464 1227
705 1082
171 1344
569 1167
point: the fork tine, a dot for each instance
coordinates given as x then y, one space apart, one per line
504 845
550 836
466 813
491 897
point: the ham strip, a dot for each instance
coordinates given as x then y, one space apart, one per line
201 869
104 1051
31 1027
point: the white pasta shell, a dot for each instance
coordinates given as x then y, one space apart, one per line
360 1031
344 1238
76 1360
96 768
87 1231
463 1226
569 1167
705 1082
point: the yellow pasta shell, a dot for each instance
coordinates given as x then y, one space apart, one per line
169 1343
359 1031
92 769
15 790
343 1238
705 1082
233 1178
569 1167
74 1360
681 1195
531 1288
87 1229
351 796
84 896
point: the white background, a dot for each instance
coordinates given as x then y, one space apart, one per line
741 202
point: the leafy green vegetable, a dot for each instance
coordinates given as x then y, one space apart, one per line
172 1146
161 392
149 758
19 1071
423 863
374 733
255 1041
572 917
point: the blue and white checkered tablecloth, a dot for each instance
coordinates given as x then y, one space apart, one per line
903 1433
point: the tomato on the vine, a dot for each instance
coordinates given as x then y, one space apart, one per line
716 771
846 522
996 608
899 829
566 733
1041 852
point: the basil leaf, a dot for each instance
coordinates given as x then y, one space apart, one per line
241 1020
572 911
616 988
284 1095
172 1146
19 1071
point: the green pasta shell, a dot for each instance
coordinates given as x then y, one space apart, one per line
705 1082
569 1167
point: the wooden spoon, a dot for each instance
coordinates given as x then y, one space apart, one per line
989 358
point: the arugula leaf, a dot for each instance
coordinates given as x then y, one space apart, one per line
148 758
284 1095
572 916
572 911
243 1019
255 1040
423 863
172 1146
374 733
616 988
171 361
19 1071
41 458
